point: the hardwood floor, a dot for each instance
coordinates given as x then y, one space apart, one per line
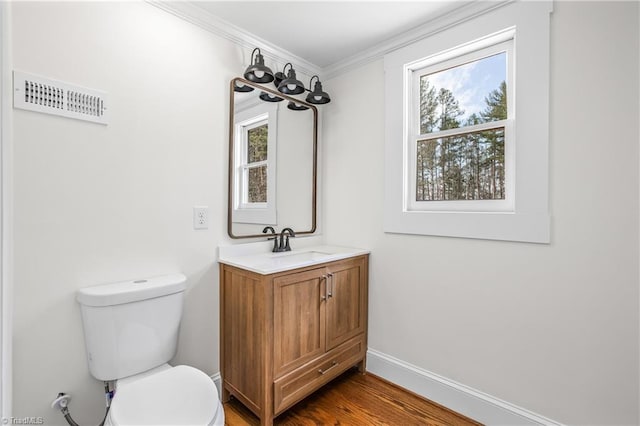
354 399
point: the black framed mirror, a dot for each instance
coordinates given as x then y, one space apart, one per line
273 145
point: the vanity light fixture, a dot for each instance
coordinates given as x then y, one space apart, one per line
317 97
270 98
287 83
258 72
290 85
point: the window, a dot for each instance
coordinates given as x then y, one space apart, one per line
460 119
457 160
255 165
253 179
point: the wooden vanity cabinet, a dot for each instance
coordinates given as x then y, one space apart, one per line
285 335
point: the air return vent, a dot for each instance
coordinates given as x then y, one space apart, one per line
35 93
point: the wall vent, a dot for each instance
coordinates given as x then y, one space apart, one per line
35 93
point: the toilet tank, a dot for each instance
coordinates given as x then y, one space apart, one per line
131 326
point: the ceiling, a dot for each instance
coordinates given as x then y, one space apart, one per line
325 33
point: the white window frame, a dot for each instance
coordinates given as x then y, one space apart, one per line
525 216
502 42
248 118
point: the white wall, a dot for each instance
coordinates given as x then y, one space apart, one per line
95 203
551 328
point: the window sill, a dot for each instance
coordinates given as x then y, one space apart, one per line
507 226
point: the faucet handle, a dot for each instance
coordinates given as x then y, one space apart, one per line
267 229
284 235
275 237
289 231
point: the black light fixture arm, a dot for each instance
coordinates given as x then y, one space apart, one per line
257 49
311 80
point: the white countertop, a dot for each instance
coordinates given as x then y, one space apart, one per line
265 262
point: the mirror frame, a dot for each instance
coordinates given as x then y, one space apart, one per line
230 177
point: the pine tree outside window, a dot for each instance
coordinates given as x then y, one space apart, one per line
255 169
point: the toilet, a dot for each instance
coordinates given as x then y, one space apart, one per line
131 333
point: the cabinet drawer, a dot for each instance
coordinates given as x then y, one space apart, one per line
299 383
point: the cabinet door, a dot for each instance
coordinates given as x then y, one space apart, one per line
299 319
346 298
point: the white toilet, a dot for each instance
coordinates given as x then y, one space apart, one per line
131 332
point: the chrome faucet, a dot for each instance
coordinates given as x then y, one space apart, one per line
276 247
284 244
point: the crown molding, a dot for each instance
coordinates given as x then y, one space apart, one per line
468 10
211 23
189 12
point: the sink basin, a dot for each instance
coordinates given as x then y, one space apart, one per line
269 263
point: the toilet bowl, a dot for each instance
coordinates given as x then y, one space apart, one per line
180 395
131 333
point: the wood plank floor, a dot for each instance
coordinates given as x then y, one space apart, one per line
354 399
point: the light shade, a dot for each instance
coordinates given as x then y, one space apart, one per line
258 72
318 96
295 107
269 97
291 85
243 88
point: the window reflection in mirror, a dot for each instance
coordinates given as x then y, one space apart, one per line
272 164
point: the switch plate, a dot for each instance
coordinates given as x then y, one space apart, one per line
200 217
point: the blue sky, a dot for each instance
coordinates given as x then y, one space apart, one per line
471 83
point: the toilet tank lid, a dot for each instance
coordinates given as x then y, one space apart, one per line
132 290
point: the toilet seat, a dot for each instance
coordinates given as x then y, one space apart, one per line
180 395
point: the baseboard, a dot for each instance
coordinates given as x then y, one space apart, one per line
458 397
217 380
